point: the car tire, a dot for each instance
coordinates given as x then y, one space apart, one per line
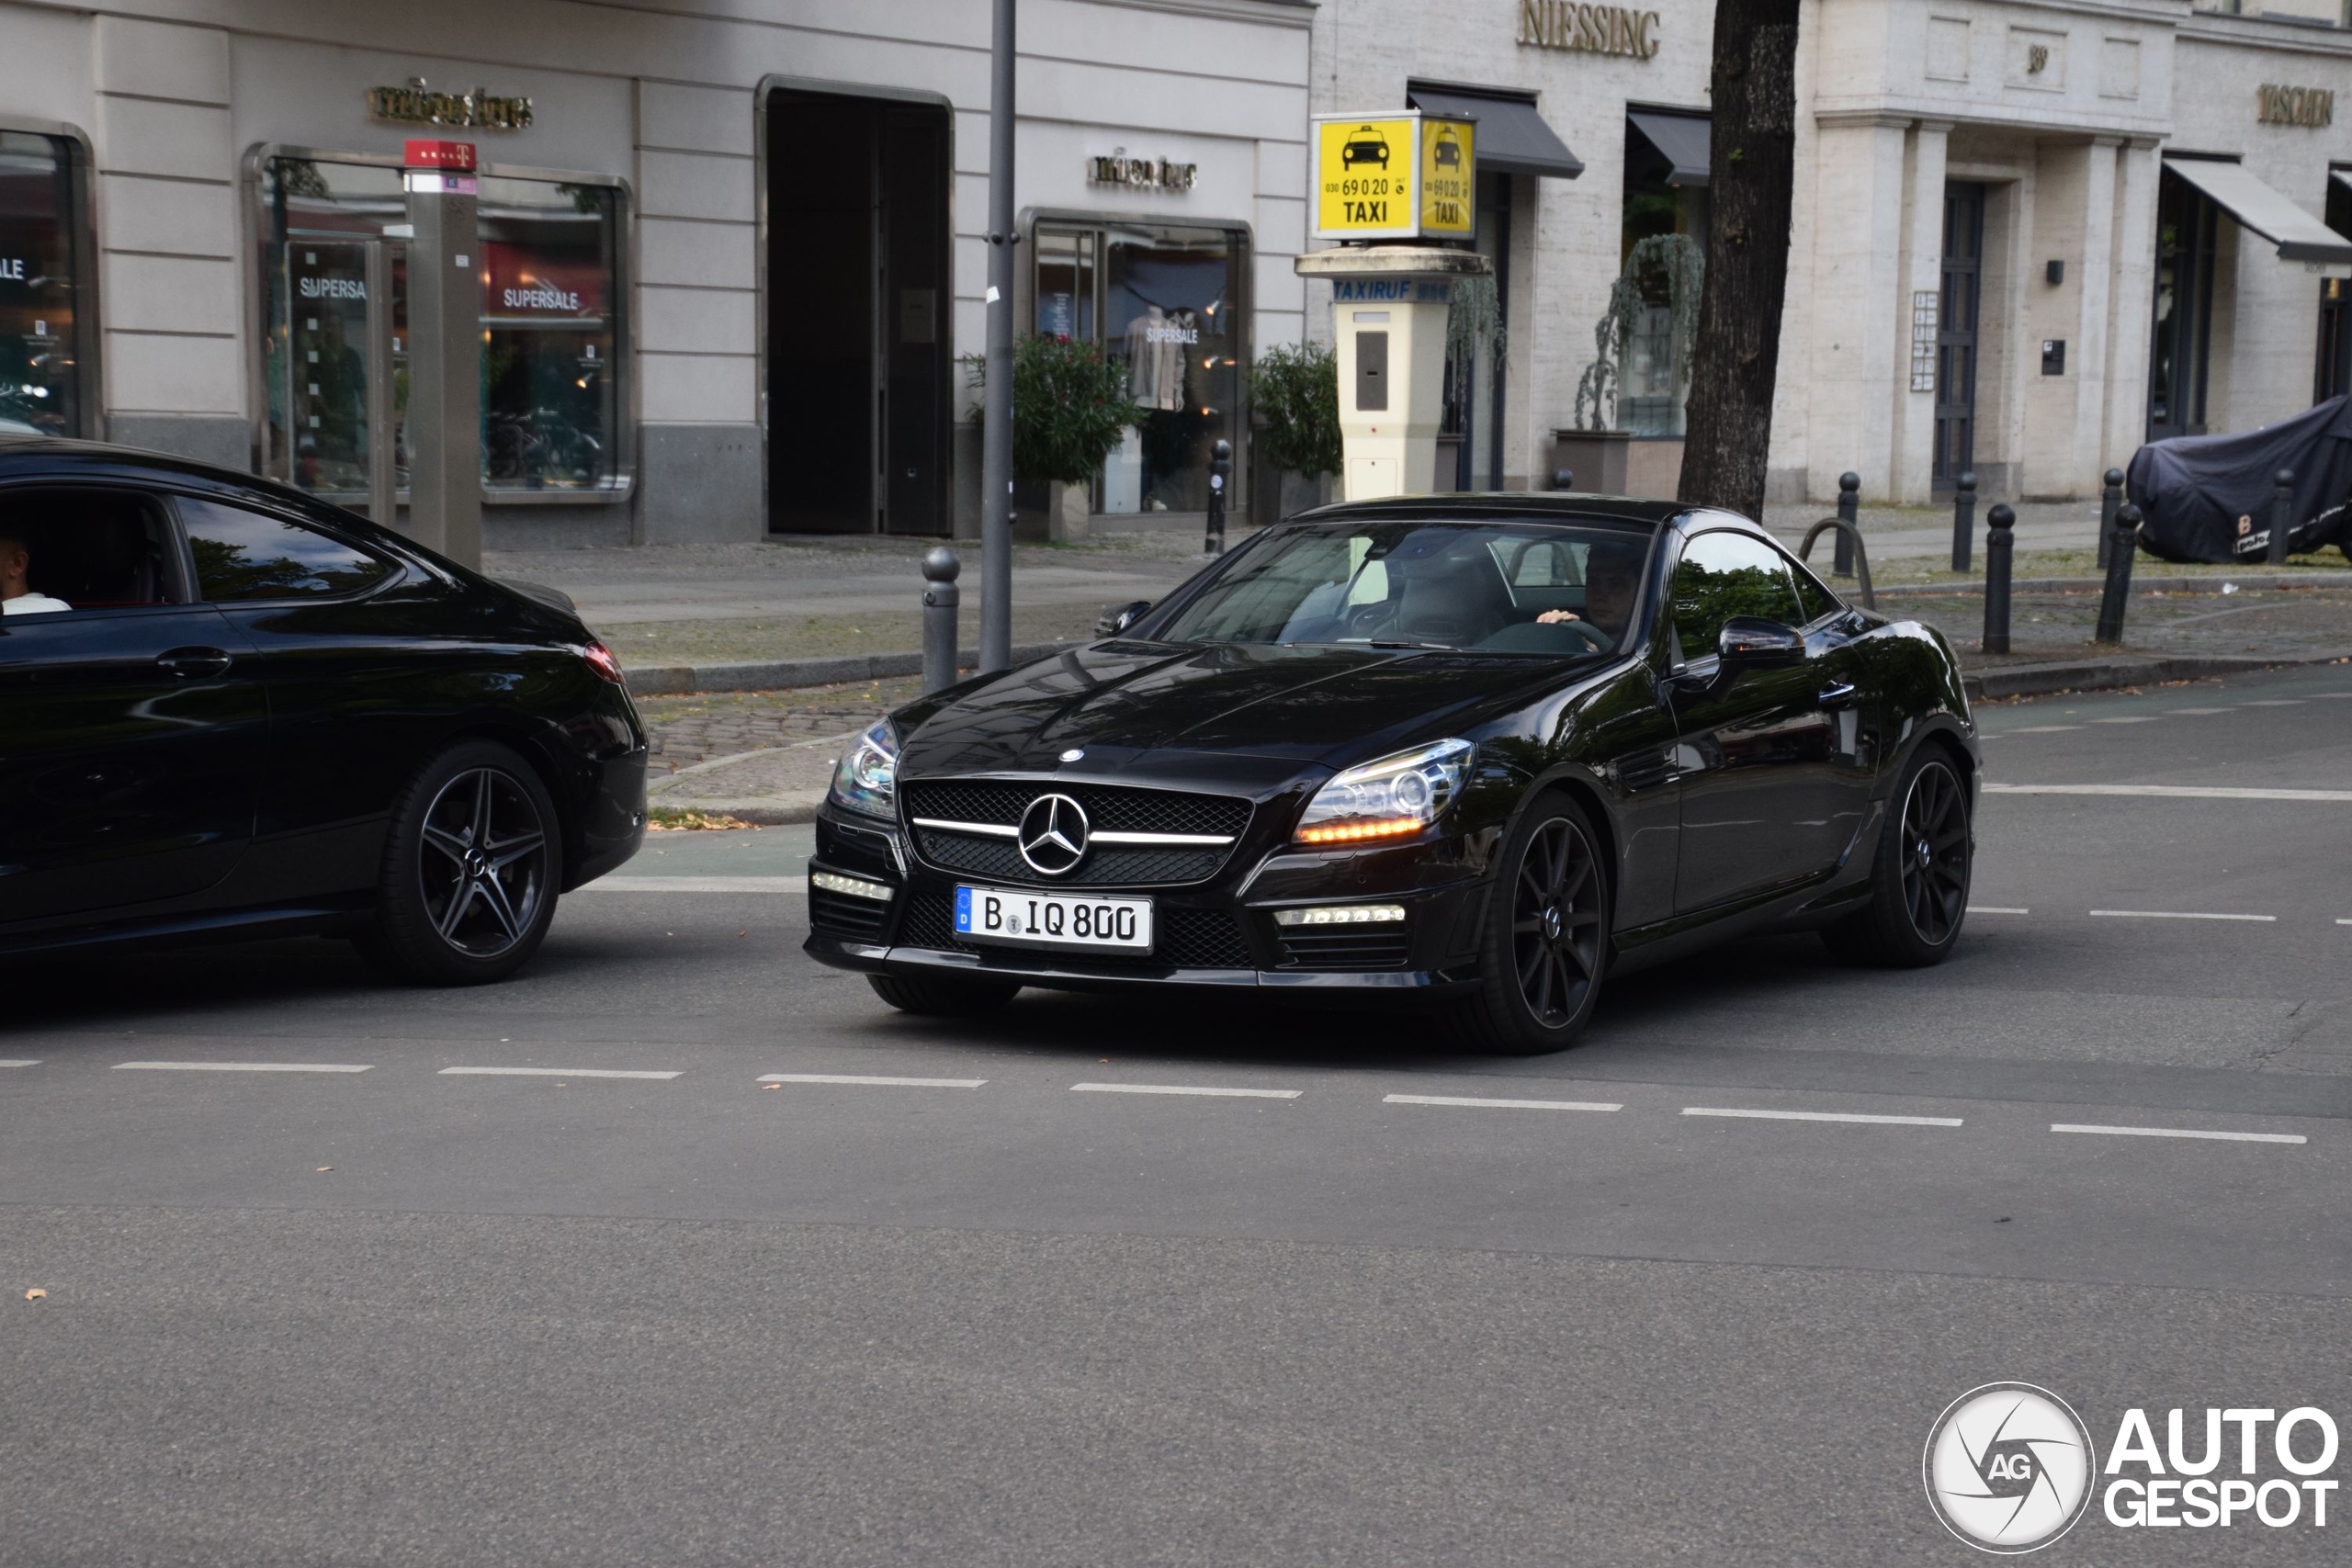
470 870
1919 875
1544 949
942 999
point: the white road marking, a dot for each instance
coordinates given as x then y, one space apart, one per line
553 1073
2041 729
2178 915
2180 1133
695 885
240 1068
2323 695
1995 909
2204 710
1183 1089
2178 792
872 1081
1824 1116
2274 703
1500 1104
2142 718
35 1063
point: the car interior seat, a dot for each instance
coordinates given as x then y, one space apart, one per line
93 548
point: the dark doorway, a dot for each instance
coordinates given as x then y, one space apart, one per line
1956 332
859 373
2334 372
2188 226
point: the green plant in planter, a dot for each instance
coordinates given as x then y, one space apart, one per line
1296 392
1677 263
1072 406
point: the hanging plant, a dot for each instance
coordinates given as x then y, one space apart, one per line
1476 335
1684 269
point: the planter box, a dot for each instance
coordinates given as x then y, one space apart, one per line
1596 458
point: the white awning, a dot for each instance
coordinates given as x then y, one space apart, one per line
2299 236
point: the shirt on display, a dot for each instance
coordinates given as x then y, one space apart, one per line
1155 356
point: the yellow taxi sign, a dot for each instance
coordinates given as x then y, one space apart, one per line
1393 176
1448 178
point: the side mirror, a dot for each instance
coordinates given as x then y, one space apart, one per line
1751 642
1119 617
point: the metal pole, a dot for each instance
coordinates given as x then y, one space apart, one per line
1963 520
2117 596
445 357
1999 544
2110 499
1220 473
940 599
996 434
383 419
2282 516
1849 503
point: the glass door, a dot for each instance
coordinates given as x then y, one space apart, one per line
341 407
1956 333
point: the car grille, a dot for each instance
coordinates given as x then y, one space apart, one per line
1109 808
837 914
1345 950
1189 939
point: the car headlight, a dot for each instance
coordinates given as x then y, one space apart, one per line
1391 798
867 778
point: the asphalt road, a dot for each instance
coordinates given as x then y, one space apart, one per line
1008 1314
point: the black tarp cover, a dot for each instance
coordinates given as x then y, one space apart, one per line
2207 498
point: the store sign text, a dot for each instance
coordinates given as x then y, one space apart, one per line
12 269
541 299
418 105
1588 30
2312 106
334 289
1146 173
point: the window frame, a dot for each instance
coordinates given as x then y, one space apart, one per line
626 403
178 562
395 568
89 339
1679 661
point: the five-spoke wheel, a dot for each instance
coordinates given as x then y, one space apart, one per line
471 868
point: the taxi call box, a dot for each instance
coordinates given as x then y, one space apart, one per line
1394 177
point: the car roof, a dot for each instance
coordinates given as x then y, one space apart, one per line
1511 506
56 457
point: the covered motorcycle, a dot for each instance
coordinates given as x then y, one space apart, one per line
2208 498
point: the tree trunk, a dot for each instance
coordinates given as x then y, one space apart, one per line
1753 150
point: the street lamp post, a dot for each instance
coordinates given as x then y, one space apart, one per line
996 430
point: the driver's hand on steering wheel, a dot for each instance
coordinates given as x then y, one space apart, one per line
1553 617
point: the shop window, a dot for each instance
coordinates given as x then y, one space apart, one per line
45 254
1660 199
1168 302
2188 224
552 288
1470 434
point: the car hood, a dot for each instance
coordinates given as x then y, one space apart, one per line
1163 710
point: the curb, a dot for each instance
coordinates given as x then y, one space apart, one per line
783 674
766 811
2099 674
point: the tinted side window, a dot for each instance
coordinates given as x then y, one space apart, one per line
1813 594
246 555
1729 574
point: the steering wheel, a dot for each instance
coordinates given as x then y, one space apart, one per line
1594 638
1364 620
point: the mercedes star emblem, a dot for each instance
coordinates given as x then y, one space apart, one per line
1052 835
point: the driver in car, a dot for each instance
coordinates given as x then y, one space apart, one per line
16 595
1611 578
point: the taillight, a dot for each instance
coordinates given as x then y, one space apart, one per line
600 659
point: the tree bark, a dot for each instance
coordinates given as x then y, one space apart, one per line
1753 152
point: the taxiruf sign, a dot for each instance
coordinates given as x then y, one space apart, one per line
1394 177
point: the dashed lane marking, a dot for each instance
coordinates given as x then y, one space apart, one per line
2040 728
872 1081
695 885
2179 915
2179 1132
2136 719
1995 909
2274 703
2178 792
242 1068
1824 1116
553 1073
1183 1089
36 1061
1479 1104
2202 711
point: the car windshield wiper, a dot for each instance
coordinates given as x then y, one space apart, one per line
1439 646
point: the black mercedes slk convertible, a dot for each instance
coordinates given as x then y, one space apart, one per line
1482 749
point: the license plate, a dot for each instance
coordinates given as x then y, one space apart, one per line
1053 920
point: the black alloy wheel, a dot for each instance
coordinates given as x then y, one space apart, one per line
1919 876
1547 937
472 866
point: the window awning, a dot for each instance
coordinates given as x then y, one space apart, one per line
1512 138
2299 236
1681 138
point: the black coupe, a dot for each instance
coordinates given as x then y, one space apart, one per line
1486 748
228 709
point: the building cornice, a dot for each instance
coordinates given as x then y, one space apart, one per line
1299 14
1900 112
2258 32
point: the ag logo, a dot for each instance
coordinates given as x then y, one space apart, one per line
2009 1467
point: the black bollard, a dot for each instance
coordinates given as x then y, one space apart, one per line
2109 499
2282 516
940 598
1849 500
1563 478
1964 521
1220 477
1999 547
2120 548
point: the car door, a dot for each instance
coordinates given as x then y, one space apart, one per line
135 733
1762 806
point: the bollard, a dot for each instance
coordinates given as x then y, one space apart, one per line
2116 595
1964 521
1220 470
2282 516
1999 547
1849 500
2109 499
940 598
1563 478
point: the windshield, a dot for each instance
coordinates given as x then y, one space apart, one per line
1491 587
